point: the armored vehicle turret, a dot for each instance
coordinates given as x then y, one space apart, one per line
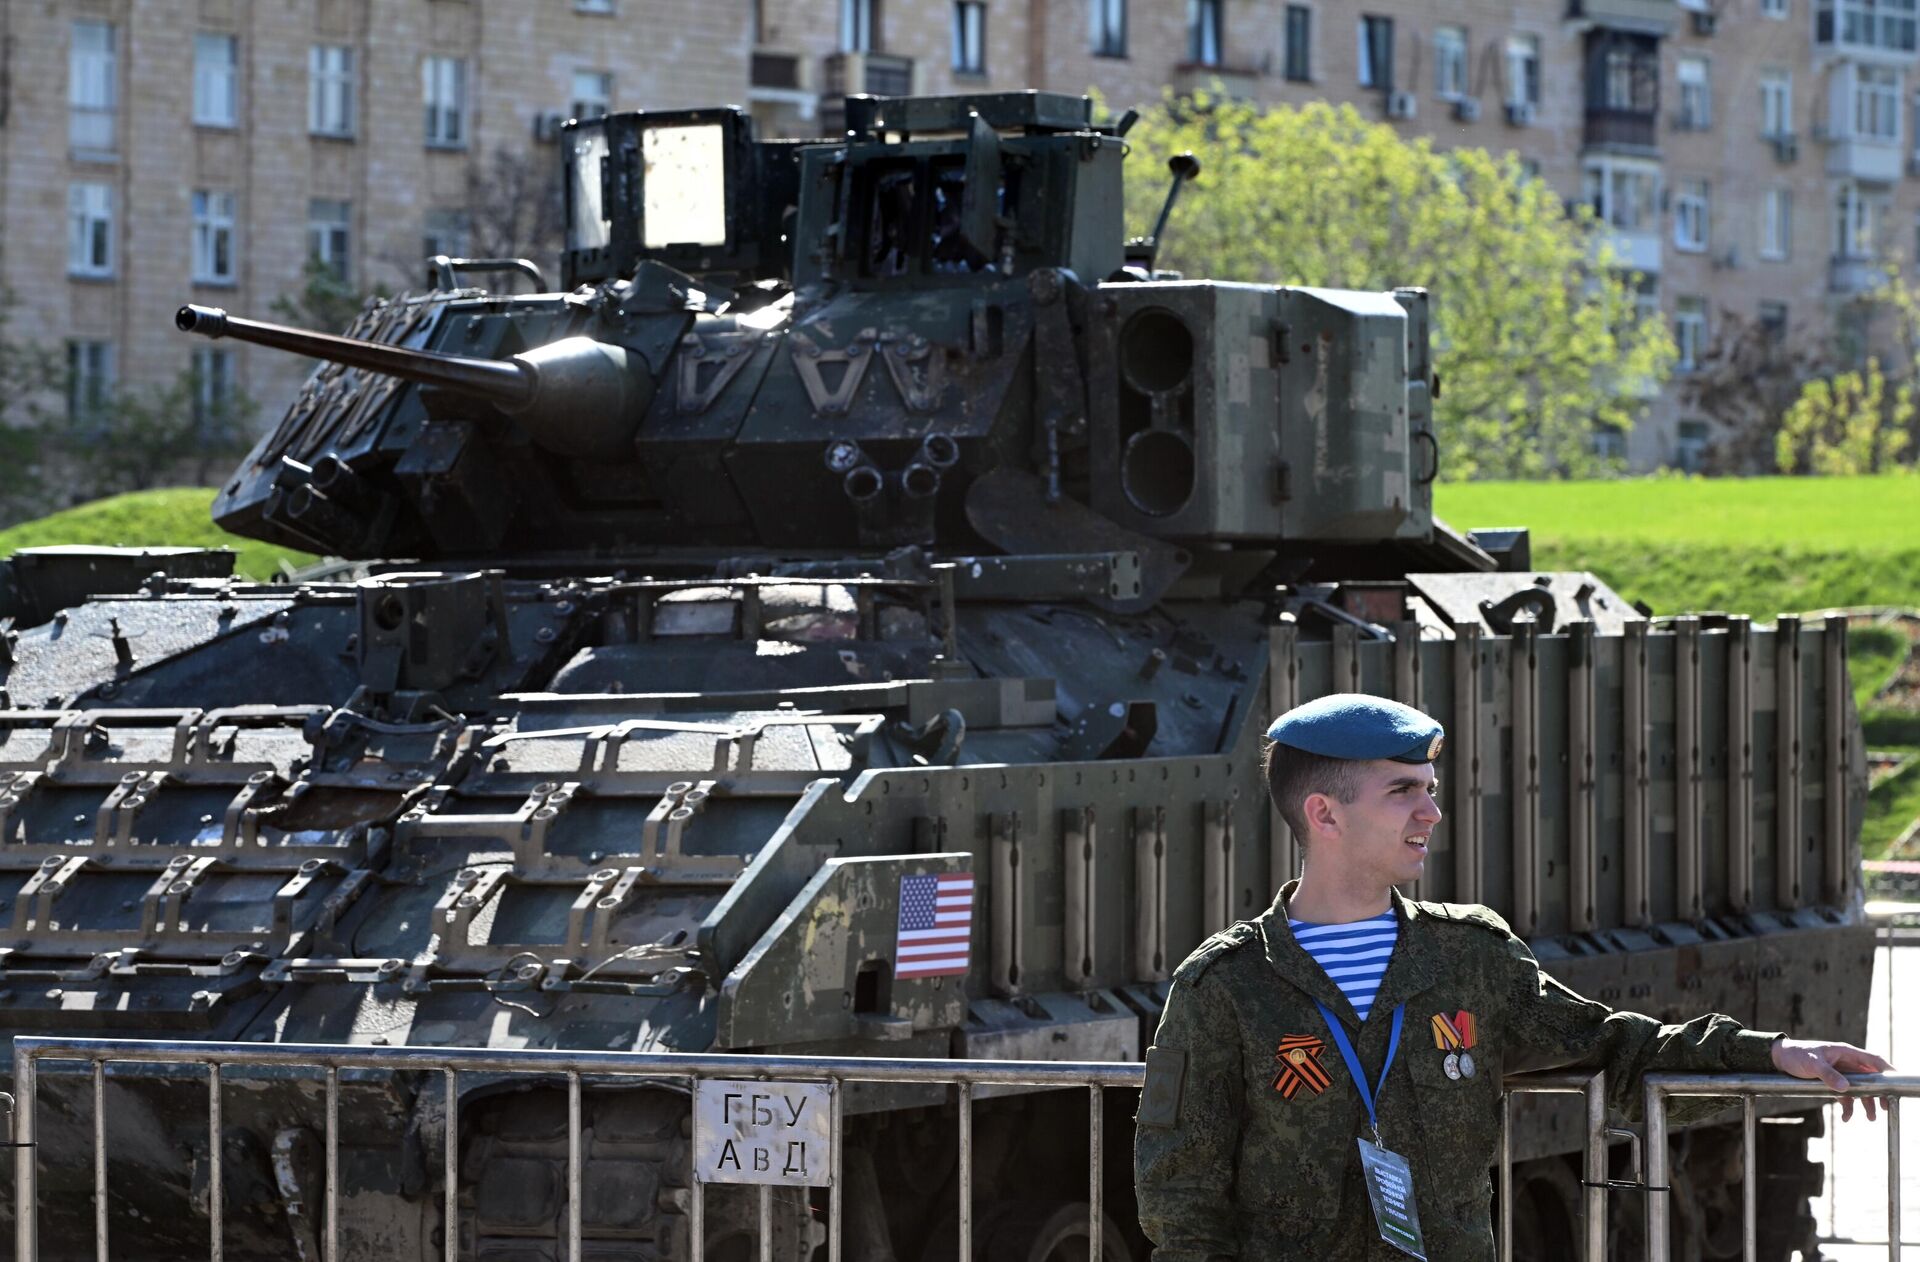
858 510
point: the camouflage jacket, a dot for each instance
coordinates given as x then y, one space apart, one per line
1227 1165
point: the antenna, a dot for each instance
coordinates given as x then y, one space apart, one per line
1183 167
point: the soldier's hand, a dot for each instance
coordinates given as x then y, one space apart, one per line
1830 1063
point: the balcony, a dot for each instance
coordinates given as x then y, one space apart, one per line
1635 131
1630 249
1870 161
1871 30
877 74
1237 83
1850 276
1655 17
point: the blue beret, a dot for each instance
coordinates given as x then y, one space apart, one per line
1354 725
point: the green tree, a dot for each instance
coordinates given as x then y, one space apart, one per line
326 301
138 439
1538 348
1847 424
31 378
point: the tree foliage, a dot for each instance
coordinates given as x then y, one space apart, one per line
326 301
140 438
31 381
1537 348
1848 424
1746 382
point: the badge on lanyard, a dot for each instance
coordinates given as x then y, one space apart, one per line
1454 1036
1389 1178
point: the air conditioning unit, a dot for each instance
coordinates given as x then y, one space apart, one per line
1786 147
1467 109
547 125
1402 105
1520 113
1704 21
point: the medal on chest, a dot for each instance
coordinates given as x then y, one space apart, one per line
1454 1035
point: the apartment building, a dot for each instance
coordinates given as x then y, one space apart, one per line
155 152
1753 157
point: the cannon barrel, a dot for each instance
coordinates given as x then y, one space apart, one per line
504 382
576 396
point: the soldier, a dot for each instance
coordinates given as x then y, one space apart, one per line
1347 1013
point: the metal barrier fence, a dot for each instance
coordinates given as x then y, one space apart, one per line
964 1076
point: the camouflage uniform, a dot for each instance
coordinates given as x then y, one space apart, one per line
1227 1167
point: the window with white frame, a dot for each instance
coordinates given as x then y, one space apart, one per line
1776 224
448 232
1609 443
93 87
1299 64
1888 24
969 37
592 94
1646 297
1695 111
1107 27
1450 62
213 218
1523 69
1690 446
1774 8
1776 102
1854 222
1876 103
213 391
1689 332
1206 31
91 377
329 224
216 80
1772 319
90 229
443 82
1375 35
1622 194
1690 215
330 105
859 26
593 6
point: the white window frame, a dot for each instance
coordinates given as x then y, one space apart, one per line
1875 115
1606 183
448 232
330 234
592 94
214 219
443 94
216 79
1692 228
1694 100
1893 25
1206 32
1776 102
1775 8
1522 58
593 6
1689 332
91 235
331 90
1450 62
214 386
1776 224
1855 221
93 88
1367 74
92 374
1106 27
859 26
970 37
1304 56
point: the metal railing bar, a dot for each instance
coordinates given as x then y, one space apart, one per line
1095 1120
1749 1182
100 1160
1893 1179
331 1249
766 1222
1506 1177
837 1193
451 1227
216 1246
696 1194
1596 1168
574 1167
26 1218
966 1171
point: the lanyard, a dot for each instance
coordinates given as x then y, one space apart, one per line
1340 1040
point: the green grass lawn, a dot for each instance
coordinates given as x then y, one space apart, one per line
173 517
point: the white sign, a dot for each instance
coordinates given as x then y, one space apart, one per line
763 1132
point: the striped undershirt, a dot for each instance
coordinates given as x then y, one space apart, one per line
1354 955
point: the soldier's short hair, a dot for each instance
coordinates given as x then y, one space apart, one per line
1293 773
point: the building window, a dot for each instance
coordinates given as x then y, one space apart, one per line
1299 66
1205 31
444 89
1774 8
1376 53
1646 297
1690 452
1609 444
1450 62
328 237
90 230
1888 24
1690 332
1854 215
1876 103
212 238
1621 194
1523 70
592 94
1107 27
1696 95
448 232
593 6
1776 224
216 80
1690 216
1629 75
969 37
330 90
1772 320
213 391
859 26
1776 103
93 78
91 377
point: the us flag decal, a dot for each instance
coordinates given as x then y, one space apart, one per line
936 925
